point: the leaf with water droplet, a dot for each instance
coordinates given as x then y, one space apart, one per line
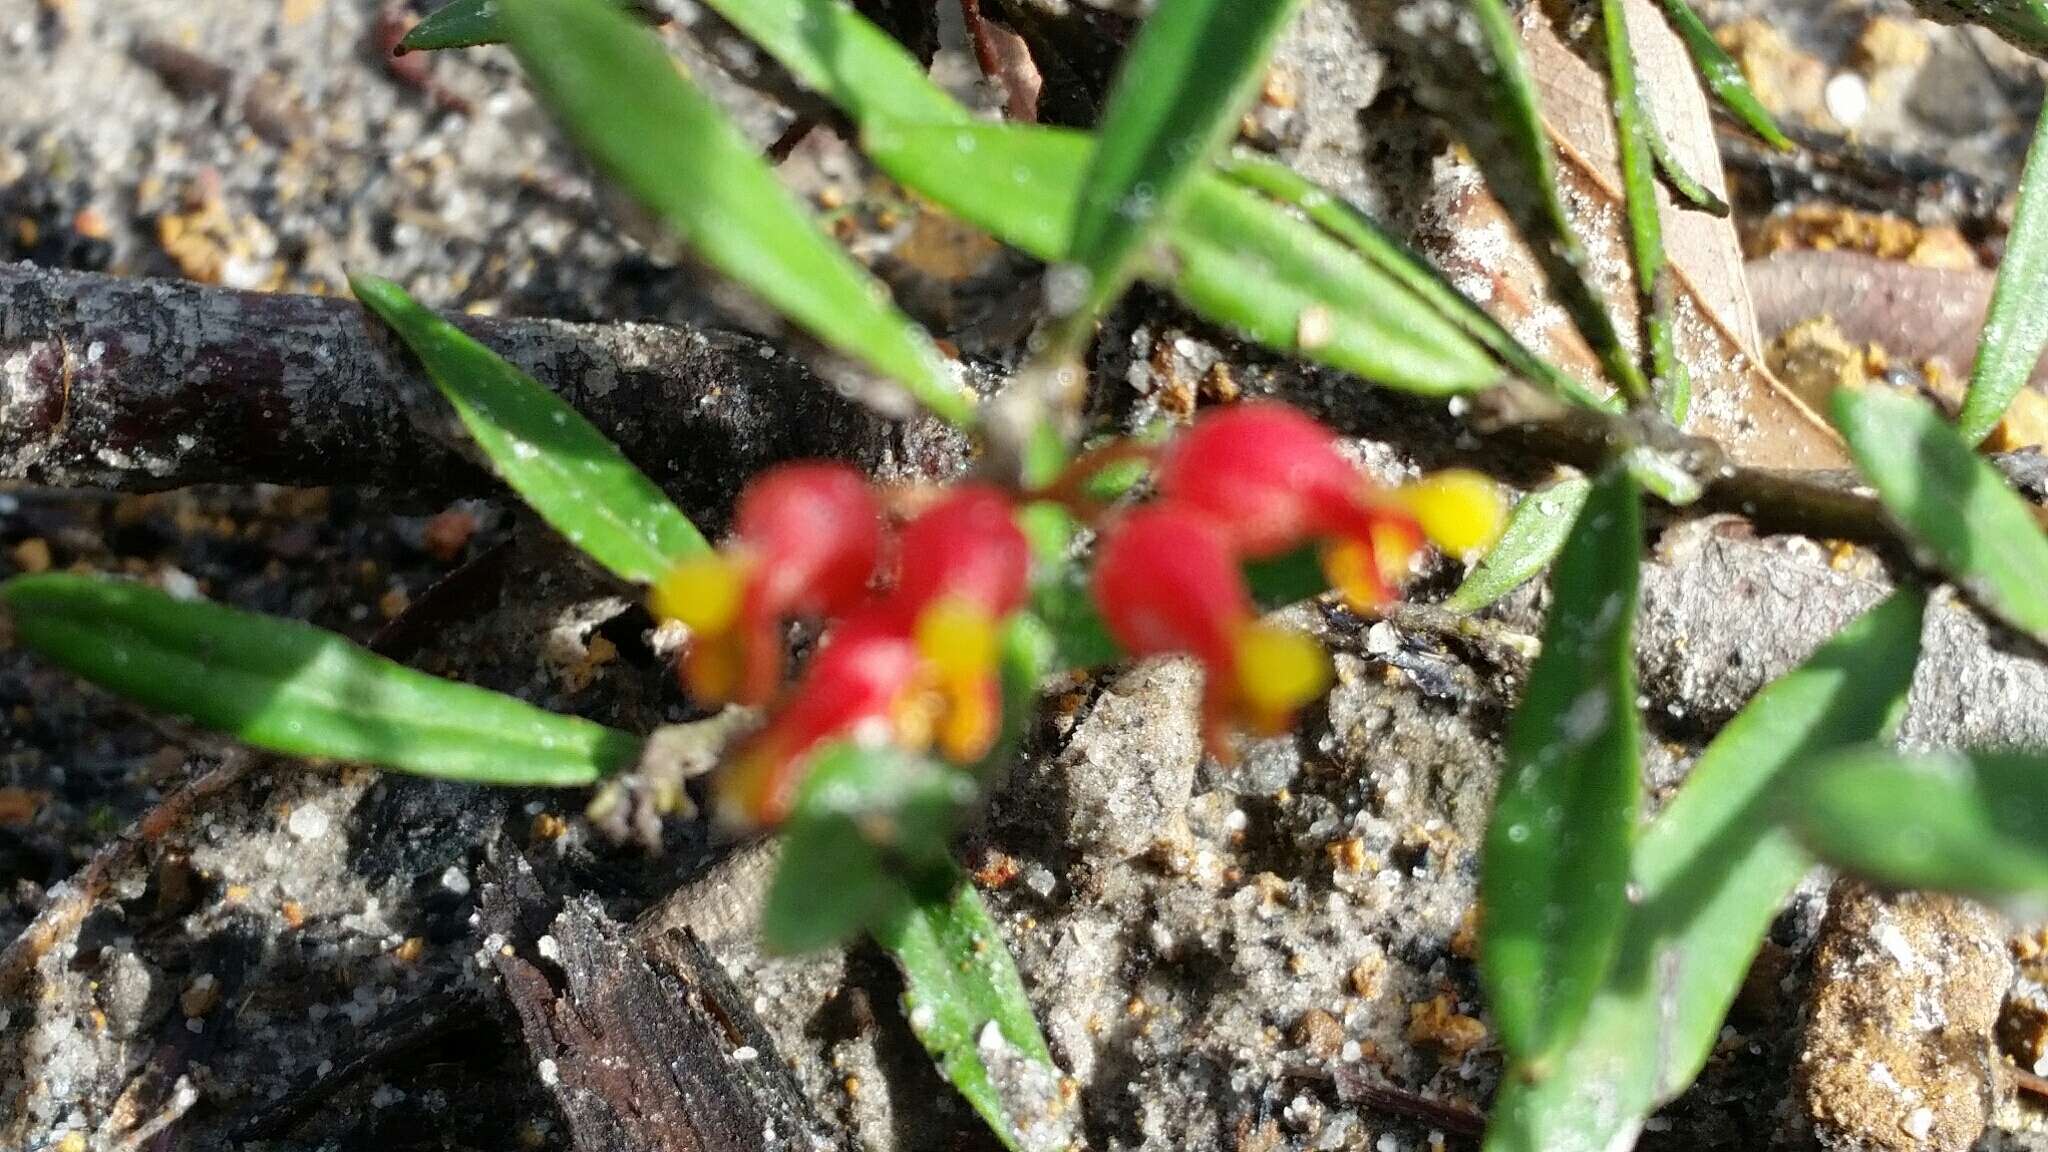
1950 502
472 23
557 461
1557 848
958 979
292 688
646 125
1181 87
1975 822
1709 875
1723 76
2017 325
1535 532
2021 23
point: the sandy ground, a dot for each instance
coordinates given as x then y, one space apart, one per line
1222 958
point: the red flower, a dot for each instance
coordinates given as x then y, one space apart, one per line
806 540
1167 580
856 687
1274 480
917 668
966 568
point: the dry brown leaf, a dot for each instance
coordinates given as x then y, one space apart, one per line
1735 399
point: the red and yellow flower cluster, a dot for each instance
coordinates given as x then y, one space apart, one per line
915 664
915 661
1253 482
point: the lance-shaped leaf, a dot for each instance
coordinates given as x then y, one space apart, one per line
1340 218
557 461
1949 502
866 822
1723 75
842 56
1236 257
1556 857
1179 92
624 101
469 23
2017 326
1964 822
1535 532
1710 874
299 690
2023 23
968 1006
1635 139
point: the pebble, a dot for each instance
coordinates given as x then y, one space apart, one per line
1905 995
308 822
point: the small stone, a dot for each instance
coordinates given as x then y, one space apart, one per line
307 822
133 994
447 534
200 996
1436 1022
1318 1034
1905 996
1847 97
32 555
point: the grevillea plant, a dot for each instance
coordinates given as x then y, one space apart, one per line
1612 945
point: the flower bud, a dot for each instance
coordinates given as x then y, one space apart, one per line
1274 480
1167 581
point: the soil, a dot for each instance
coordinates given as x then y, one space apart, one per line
209 948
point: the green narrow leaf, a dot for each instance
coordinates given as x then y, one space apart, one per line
1179 92
299 690
2022 23
557 461
461 24
1341 219
1535 532
1950 502
1683 184
1710 874
624 101
863 820
471 23
2017 326
1240 260
1723 75
1244 262
843 57
1556 857
1975 823
1521 170
1636 140
959 981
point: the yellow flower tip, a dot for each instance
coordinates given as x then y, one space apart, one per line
1278 671
1461 511
713 667
967 729
1356 570
957 639
704 592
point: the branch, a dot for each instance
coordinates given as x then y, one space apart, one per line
141 385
